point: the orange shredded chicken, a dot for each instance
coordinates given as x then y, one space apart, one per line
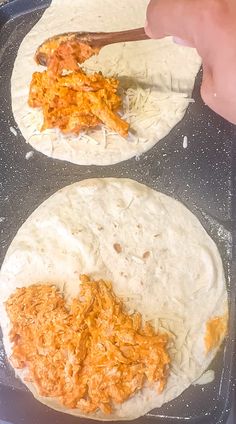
81 51
70 99
90 354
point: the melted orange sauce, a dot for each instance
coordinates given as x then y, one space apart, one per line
216 329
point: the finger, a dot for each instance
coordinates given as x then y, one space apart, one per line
217 99
171 17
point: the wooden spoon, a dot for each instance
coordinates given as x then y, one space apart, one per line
96 40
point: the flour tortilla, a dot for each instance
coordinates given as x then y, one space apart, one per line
180 286
163 72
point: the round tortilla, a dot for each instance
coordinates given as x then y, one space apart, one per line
159 74
179 286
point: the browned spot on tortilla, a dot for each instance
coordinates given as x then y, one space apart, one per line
117 247
146 254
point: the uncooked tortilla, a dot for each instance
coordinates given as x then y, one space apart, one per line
159 76
179 286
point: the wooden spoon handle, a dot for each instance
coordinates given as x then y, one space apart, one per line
100 39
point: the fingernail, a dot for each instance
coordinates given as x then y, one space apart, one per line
180 41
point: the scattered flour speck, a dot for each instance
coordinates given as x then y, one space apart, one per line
13 131
185 142
2 357
29 155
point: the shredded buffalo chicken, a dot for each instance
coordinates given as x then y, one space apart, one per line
70 99
90 354
80 51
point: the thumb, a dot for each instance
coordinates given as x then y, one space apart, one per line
170 17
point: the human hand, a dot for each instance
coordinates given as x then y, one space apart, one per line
210 27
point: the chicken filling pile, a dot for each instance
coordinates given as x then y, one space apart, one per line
90 354
71 100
